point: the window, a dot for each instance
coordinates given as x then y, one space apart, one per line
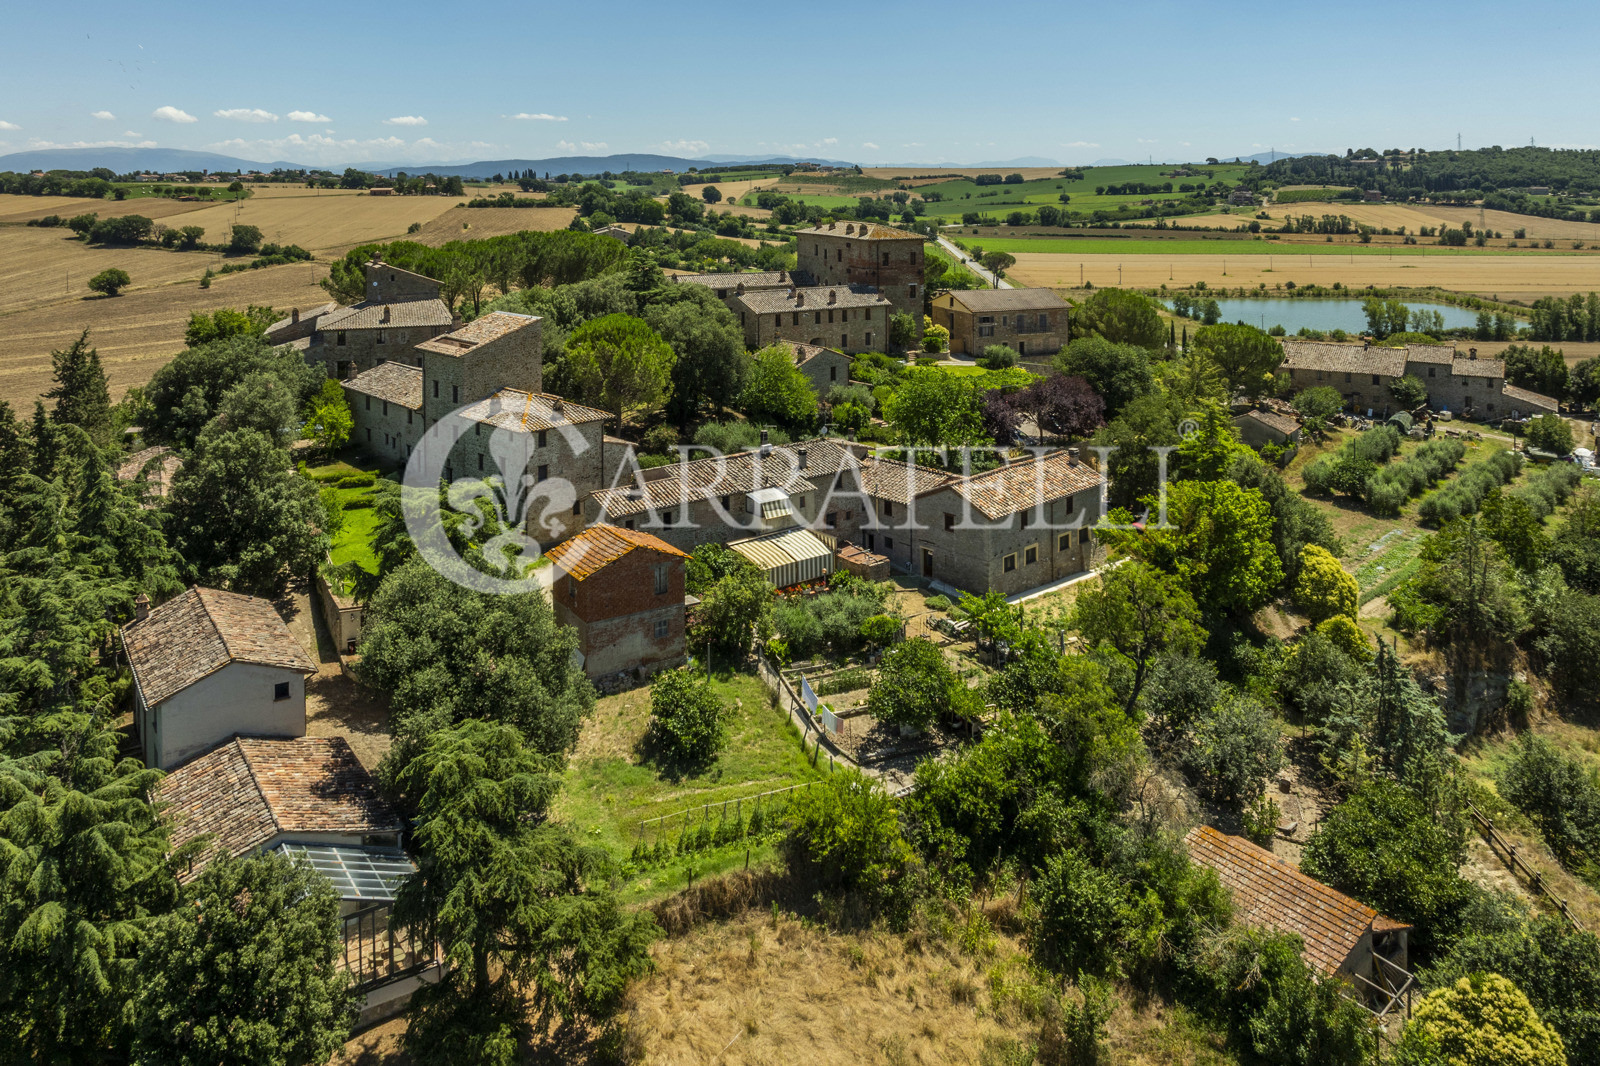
369 402
577 506
888 544
544 472
867 343
1374 379
449 473
1319 375
386 408
1030 554
777 320
949 522
888 508
866 314
885 258
628 524
1044 321
477 429
480 461
833 373
1024 519
1431 370
667 517
796 320
844 340
816 318
838 255
380 336
801 503
742 318
1010 563
725 501
455 393
831 519
662 626
1064 542
408 416
872 542
1083 536
544 438
830 317
1491 385
662 584
1347 377
280 691
369 433
435 388
338 339
913 290
1072 502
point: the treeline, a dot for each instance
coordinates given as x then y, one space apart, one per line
1421 174
92 184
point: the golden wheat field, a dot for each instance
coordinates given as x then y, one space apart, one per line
327 221
1514 277
14 208
488 222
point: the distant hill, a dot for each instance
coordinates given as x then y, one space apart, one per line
128 160
596 164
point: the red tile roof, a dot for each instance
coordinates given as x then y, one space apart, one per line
596 547
250 791
1269 892
1024 485
197 633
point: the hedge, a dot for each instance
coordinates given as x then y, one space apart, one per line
1389 489
1376 445
1548 488
1465 494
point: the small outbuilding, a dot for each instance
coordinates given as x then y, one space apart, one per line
1257 428
623 591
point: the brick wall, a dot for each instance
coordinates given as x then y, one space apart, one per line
618 612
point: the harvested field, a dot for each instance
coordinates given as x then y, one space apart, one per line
487 222
1514 277
14 208
141 329
323 220
39 265
732 190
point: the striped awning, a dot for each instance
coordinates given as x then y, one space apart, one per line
789 557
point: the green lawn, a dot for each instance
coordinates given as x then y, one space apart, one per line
1223 246
610 790
353 542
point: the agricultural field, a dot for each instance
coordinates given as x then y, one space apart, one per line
1151 264
326 221
472 223
17 208
1413 217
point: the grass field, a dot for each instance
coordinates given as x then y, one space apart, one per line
1512 277
610 787
1413 217
353 542
1200 246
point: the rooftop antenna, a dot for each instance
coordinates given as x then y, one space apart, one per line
1458 142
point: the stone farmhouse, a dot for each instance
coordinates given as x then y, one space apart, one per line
208 664
490 371
1456 382
1022 525
1342 937
1031 322
887 259
401 309
823 367
623 591
856 316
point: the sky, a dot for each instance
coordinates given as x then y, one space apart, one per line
407 83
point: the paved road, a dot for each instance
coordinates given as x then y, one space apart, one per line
972 264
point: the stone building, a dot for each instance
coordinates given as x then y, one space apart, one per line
1021 525
401 309
1457 382
729 287
1260 427
1031 322
623 591
851 318
823 367
866 253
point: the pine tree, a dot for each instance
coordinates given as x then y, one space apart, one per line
81 394
43 435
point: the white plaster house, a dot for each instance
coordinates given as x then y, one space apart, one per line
208 665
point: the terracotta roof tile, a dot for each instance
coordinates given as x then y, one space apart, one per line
398 314
886 479
515 409
767 301
725 475
250 790
1282 423
869 231
1343 358
199 632
157 466
587 553
765 279
1269 892
979 300
1024 485
391 381
1544 403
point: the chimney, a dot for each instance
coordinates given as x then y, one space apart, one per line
350 370
558 406
294 315
141 608
763 436
799 298
833 296
800 458
1472 353
849 228
1072 457
385 316
739 291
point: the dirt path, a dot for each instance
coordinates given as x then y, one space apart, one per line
335 705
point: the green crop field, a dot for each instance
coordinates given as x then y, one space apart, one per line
958 197
1223 246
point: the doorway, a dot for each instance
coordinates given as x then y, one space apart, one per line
927 563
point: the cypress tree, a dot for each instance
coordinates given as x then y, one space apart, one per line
81 394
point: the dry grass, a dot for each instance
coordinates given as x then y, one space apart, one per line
15 208
1520 277
139 330
732 190
489 222
1413 217
323 220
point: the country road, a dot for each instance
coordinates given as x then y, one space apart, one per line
972 265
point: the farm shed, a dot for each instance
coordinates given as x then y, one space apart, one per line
789 557
1342 936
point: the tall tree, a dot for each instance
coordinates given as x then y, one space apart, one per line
80 393
775 389
246 972
711 363
1120 317
516 902
930 407
1120 373
618 362
1247 357
242 518
1141 613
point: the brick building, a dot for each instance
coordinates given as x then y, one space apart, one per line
1021 525
1457 382
1031 322
623 591
866 253
851 318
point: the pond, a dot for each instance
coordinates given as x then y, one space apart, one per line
1327 315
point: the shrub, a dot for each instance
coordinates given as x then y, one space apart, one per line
914 684
1481 1020
1325 589
686 717
1465 495
997 357
937 603
1550 433
1561 796
357 481
110 281
845 829
880 629
1234 749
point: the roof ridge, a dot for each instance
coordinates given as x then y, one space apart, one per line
250 769
205 609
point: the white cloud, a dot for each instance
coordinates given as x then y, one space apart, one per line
104 116
4 125
584 146
869 146
1294 120
406 120
173 114
36 143
683 147
540 116
426 142
1144 140
246 114
1081 144
830 140
308 116
132 133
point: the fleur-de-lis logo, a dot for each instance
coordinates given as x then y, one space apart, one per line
495 491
